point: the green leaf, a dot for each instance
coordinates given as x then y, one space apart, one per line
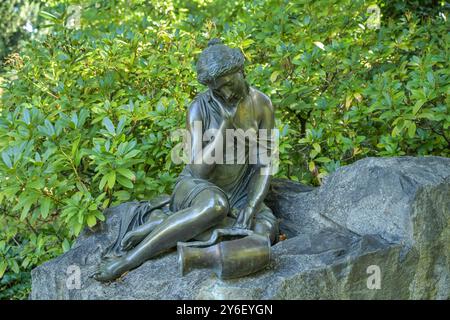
49 127
103 182
45 207
124 182
109 125
430 77
66 245
48 16
3 266
14 266
412 130
100 197
75 147
417 106
122 195
311 166
37 184
26 262
105 203
395 132
427 115
322 159
121 124
274 76
313 154
132 154
126 173
26 116
247 42
77 228
111 179
91 221
26 208
100 216
317 147
7 160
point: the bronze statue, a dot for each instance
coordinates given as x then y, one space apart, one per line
207 195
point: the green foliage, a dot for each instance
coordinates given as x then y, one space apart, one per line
14 15
86 114
15 285
346 90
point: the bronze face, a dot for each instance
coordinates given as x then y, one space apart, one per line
230 88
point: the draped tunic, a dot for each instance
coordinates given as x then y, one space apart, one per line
230 179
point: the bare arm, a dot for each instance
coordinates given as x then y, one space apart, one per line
201 161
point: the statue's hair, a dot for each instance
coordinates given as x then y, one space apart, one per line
218 60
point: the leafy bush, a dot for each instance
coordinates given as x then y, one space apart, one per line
15 15
86 114
345 90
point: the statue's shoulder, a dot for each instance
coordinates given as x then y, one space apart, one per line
200 98
262 100
195 108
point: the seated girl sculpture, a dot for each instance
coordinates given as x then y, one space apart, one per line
209 192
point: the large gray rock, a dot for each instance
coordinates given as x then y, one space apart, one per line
386 214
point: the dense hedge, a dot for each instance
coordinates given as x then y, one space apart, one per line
86 114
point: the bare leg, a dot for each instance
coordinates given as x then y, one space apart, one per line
135 236
208 209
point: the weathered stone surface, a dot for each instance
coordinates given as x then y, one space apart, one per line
393 213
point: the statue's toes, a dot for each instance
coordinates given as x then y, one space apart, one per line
109 271
102 276
97 275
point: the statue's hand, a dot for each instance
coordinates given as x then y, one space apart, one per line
228 116
244 219
229 113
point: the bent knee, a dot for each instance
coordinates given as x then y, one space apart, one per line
215 205
220 206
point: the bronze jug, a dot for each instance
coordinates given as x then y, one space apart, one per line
229 253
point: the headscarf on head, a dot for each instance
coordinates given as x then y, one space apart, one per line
218 60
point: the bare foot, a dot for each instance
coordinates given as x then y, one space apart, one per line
110 270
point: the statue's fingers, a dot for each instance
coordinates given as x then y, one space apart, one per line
124 243
239 226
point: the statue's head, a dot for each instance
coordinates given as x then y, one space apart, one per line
221 68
